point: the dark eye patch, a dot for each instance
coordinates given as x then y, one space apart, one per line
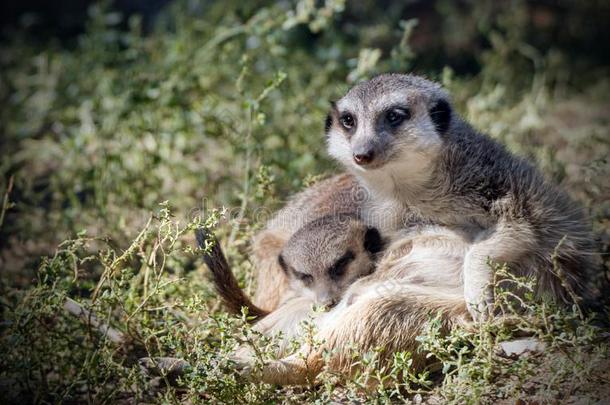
395 116
337 270
282 263
305 278
373 243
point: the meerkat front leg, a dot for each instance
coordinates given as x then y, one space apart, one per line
506 243
478 279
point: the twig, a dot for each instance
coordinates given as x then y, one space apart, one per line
244 201
89 317
5 201
114 265
146 298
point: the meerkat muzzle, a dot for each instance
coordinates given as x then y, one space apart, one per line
364 158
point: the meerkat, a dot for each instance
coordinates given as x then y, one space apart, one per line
324 257
333 196
417 159
421 165
320 261
419 275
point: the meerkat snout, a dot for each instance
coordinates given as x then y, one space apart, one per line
364 158
326 256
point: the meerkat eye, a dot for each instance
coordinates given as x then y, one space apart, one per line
397 116
337 270
347 120
304 277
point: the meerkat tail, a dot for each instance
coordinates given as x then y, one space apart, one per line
224 280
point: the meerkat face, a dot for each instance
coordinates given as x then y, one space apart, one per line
392 121
326 256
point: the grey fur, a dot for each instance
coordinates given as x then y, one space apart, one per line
467 181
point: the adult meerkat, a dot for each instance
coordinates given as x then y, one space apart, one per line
420 163
320 261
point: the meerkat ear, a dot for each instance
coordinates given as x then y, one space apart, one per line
329 117
328 123
372 241
440 113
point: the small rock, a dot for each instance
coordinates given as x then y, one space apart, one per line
171 367
521 346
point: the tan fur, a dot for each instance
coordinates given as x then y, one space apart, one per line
272 281
391 322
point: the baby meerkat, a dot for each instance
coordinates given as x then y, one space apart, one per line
332 196
321 260
326 256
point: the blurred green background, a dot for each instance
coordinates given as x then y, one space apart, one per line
110 108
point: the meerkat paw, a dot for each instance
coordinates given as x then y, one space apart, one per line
479 310
282 371
479 300
478 289
243 361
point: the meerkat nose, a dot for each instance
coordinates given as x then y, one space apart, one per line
364 158
329 303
